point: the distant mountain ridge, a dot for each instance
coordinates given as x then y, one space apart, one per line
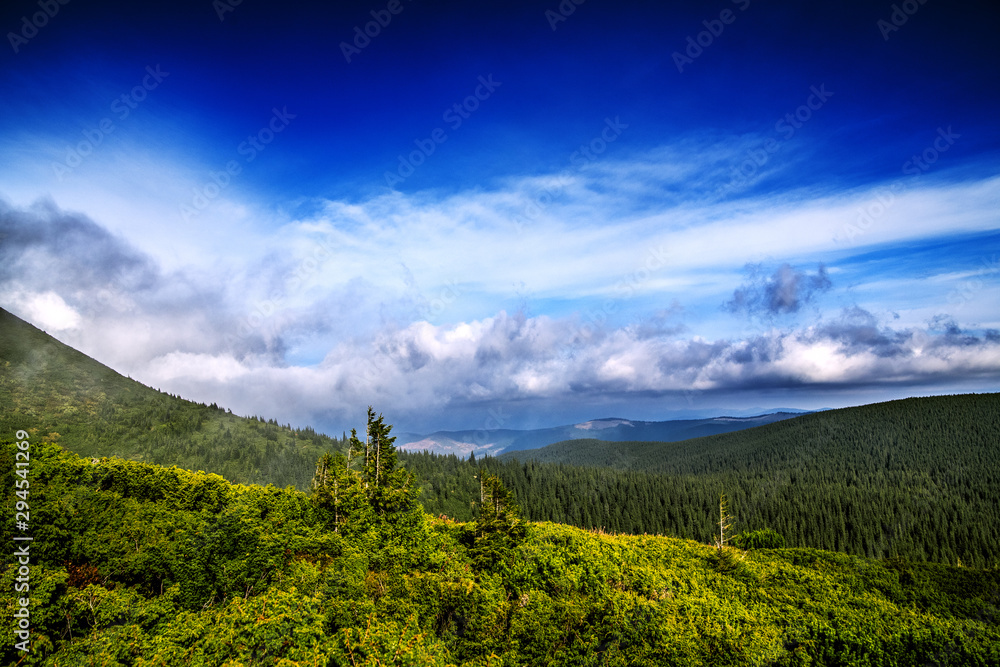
612 429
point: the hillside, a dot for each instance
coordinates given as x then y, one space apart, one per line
134 564
52 389
917 478
944 436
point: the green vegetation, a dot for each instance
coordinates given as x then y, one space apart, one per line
758 539
917 479
136 564
94 411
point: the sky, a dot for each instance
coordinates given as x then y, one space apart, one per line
475 215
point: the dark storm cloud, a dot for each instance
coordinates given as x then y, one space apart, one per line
857 330
784 291
761 349
52 248
662 323
953 333
106 280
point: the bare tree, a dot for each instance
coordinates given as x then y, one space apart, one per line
725 521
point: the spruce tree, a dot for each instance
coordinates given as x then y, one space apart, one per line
499 528
329 486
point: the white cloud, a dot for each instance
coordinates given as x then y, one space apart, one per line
46 309
211 309
508 358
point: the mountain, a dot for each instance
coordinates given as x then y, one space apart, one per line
136 564
917 478
494 442
52 390
930 434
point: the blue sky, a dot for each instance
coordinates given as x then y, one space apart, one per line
550 211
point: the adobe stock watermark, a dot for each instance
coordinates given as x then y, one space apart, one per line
430 309
901 13
294 282
371 372
223 7
31 26
495 419
562 12
362 38
627 286
713 30
22 555
656 258
249 149
116 293
122 106
581 157
454 116
885 197
786 126
968 289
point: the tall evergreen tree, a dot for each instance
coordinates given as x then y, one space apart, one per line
330 485
383 452
499 528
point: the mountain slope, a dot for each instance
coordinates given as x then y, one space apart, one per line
134 564
940 435
917 478
50 389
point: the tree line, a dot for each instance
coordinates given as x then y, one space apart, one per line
915 479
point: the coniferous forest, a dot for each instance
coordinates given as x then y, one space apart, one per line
136 564
863 536
917 479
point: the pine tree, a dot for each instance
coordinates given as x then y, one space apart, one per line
329 485
354 449
499 528
383 456
322 476
389 489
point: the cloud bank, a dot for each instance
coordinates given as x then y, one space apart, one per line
443 305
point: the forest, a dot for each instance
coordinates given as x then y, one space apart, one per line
917 479
862 536
92 410
137 564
